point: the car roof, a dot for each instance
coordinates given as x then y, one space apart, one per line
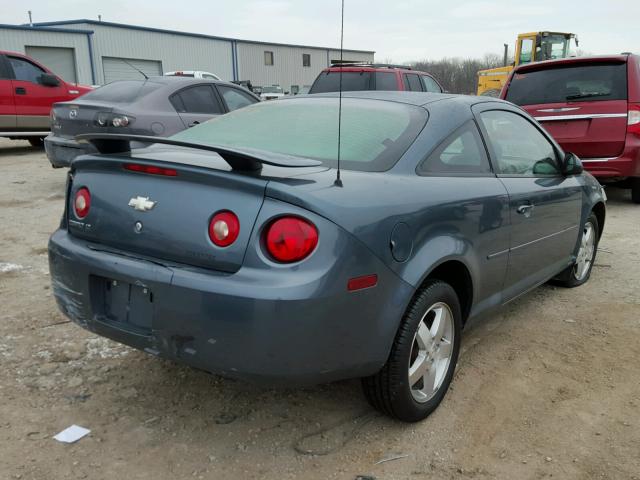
373 68
619 58
411 98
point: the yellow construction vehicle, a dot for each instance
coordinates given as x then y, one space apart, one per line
530 47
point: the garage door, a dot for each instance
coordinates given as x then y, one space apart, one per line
61 61
125 68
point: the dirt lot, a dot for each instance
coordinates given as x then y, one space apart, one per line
548 388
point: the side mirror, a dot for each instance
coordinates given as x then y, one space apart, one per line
572 165
49 80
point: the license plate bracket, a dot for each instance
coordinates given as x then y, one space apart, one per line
125 305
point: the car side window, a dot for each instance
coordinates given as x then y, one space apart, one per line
518 147
413 81
430 84
234 98
197 99
4 68
462 153
25 70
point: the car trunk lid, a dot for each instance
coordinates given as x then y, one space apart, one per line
165 214
73 118
582 104
588 129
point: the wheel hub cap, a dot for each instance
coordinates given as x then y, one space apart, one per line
431 352
585 253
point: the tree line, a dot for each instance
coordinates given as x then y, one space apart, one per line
459 75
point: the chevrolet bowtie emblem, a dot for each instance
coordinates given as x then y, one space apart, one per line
142 204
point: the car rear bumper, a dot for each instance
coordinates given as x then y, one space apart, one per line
61 151
254 325
626 165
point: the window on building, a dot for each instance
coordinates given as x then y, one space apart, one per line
306 60
268 57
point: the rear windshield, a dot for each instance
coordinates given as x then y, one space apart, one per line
354 81
374 133
584 83
122 91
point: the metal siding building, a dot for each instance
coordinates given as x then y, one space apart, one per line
287 68
105 51
174 51
34 41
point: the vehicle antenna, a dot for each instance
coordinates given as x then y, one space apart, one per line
338 182
136 69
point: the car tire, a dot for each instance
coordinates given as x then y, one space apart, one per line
37 142
422 350
635 189
579 272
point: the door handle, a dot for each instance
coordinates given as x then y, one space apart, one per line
525 209
193 124
21 91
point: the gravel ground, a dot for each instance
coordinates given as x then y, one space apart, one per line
550 387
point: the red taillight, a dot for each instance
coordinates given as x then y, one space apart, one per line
360 283
82 202
224 228
150 169
290 239
633 119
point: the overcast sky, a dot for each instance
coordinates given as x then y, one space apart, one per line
397 30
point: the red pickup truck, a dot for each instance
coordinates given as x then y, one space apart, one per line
27 91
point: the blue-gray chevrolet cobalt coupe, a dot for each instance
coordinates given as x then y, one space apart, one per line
233 246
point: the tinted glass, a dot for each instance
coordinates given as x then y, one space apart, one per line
123 91
518 146
306 60
198 99
414 82
24 70
526 50
461 153
234 98
4 69
386 81
374 133
351 81
586 83
430 84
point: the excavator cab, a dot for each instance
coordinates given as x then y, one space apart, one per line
530 47
539 46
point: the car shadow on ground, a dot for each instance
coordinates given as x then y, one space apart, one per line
617 195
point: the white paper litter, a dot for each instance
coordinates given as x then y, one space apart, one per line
6 267
72 434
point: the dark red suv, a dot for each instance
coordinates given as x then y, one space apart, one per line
591 106
374 76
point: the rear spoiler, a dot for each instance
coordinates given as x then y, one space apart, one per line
238 158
